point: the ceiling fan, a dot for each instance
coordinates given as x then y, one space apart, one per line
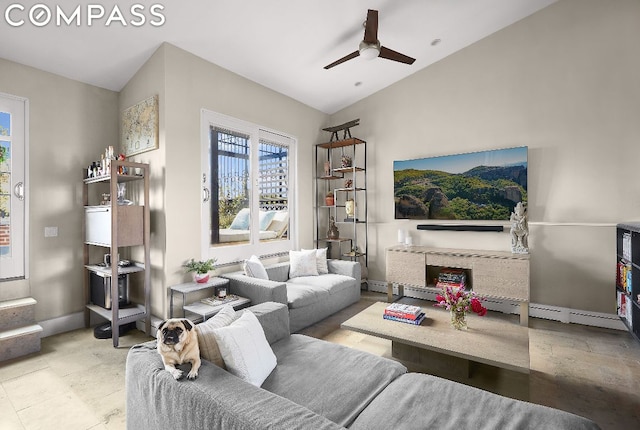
370 47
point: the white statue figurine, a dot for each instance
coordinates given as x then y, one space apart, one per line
519 230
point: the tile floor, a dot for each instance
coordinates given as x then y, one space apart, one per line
77 381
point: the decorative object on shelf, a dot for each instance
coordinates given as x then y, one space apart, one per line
459 302
220 292
201 278
329 199
333 232
408 240
348 183
201 269
122 170
122 189
103 166
140 127
106 260
355 251
327 168
345 128
402 234
350 208
345 161
519 230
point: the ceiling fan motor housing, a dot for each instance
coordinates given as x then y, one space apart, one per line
369 51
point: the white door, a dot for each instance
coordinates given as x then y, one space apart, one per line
13 187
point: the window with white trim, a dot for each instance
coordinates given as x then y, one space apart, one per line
248 189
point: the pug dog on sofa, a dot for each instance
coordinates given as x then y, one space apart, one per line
178 344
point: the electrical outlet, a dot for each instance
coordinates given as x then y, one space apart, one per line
51 232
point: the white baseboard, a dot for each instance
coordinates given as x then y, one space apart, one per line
155 322
566 315
536 310
75 321
62 324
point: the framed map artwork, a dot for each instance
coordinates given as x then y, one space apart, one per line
140 127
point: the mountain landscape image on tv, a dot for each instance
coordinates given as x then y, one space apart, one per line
482 185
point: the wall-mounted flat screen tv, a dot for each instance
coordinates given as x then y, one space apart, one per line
482 185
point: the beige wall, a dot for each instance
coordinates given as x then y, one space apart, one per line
147 82
187 84
562 82
70 123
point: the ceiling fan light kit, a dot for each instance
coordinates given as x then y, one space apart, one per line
369 51
370 47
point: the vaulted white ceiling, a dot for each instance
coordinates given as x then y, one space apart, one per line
281 44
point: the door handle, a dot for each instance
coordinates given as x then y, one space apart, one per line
18 190
207 194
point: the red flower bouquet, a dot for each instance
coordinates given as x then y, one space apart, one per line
459 302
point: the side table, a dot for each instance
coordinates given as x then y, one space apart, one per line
192 287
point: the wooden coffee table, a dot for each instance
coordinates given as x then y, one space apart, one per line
491 340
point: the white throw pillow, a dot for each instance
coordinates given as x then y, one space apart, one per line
253 267
302 263
321 261
245 349
209 349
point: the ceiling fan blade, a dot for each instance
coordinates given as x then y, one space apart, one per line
343 59
371 27
390 54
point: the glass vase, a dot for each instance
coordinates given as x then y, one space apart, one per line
458 320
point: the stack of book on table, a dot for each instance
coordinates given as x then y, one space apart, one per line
404 313
452 278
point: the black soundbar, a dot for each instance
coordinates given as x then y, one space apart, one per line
461 227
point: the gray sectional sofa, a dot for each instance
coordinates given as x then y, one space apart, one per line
309 298
319 385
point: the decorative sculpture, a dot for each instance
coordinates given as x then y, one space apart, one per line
350 208
333 232
519 230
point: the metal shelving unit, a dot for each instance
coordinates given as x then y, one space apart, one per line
353 230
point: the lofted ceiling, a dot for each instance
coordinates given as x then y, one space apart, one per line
281 44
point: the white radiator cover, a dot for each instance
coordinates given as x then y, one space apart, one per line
536 310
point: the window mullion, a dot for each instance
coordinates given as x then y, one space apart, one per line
254 182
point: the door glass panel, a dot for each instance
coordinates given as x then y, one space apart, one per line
5 184
274 190
230 208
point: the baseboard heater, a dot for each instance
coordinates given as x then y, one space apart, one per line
461 227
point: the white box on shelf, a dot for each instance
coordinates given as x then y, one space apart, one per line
98 225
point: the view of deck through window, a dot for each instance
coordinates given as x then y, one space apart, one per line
5 183
230 183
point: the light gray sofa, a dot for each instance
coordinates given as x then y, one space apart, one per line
309 298
319 385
